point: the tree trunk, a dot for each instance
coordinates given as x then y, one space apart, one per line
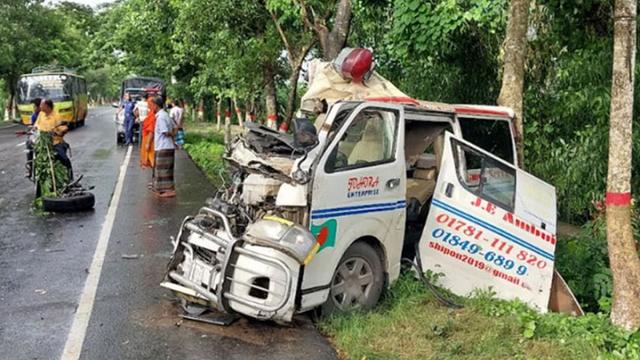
515 52
227 123
7 112
291 99
238 111
337 38
218 114
623 255
10 104
248 111
201 110
271 104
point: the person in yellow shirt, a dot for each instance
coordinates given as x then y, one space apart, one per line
49 121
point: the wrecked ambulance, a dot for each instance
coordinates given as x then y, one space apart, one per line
321 219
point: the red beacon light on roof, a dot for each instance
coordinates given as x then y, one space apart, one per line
354 64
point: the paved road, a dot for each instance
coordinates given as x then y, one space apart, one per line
45 261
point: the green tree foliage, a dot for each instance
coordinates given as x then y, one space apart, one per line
135 35
567 102
32 34
450 51
101 82
440 50
436 50
222 52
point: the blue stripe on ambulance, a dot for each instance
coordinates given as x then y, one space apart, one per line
494 229
360 209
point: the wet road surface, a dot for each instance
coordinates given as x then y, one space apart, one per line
44 262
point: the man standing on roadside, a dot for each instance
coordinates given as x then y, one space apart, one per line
148 127
129 119
163 183
141 108
176 114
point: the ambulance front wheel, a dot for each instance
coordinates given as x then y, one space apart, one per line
357 282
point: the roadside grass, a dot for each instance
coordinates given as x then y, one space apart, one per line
410 324
205 145
205 129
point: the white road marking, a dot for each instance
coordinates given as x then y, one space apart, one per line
75 339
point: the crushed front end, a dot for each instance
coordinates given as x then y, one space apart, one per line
243 252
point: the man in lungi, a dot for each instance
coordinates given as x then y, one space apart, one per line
163 183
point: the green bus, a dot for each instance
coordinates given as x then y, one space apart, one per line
67 90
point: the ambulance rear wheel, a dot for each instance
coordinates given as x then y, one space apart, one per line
357 282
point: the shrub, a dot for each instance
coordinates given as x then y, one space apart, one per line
206 150
410 324
593 330
583 261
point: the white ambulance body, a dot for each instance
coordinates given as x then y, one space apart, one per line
326 228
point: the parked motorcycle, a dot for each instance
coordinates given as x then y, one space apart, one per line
55 188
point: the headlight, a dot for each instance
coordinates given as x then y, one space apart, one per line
283 235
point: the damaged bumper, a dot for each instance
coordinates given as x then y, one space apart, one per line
254 274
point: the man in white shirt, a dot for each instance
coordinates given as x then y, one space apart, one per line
141 109
177 114
163 182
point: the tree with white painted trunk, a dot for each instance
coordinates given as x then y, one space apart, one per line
218 114
238 111
623 254
515 53
271 104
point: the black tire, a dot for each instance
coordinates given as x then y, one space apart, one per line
81 202
337 302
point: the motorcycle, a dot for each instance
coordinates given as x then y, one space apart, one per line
55 188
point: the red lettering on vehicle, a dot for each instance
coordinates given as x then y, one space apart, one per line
478 264
532 229
363 182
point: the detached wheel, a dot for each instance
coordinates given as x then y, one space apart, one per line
81 202
357 282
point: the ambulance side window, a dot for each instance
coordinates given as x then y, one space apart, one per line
492 135
369 140
487 178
